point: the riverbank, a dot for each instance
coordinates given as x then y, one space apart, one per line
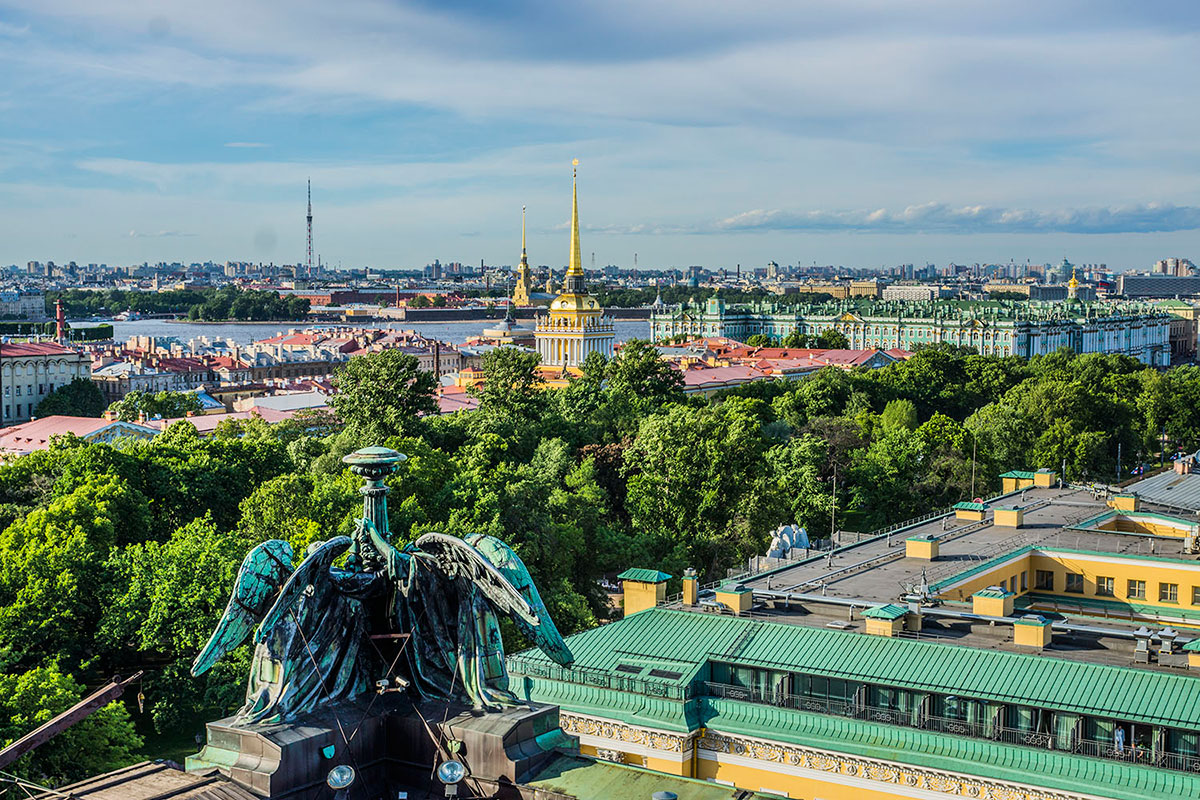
449 331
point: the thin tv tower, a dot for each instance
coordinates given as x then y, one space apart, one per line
310 252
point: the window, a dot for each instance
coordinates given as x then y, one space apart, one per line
1043 579
1168 593
1074 583
41 388
1196 595
18 391
1104 587
1136 591
1024 580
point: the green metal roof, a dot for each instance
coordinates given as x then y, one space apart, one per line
970 506
1193 646
688 639
1019 473
1033 619
999 594
890 611
644 576
1053 769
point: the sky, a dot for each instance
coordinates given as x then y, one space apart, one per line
862 133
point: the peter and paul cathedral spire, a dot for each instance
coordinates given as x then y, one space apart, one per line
524 285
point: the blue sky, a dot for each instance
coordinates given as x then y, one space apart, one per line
863 133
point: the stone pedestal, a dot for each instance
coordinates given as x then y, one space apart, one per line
391 747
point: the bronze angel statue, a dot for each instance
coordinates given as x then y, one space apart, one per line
316 625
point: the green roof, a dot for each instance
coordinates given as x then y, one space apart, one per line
683 641
998 593
1034 619
1019 473
1053 769
890 611
644 576
965 506
1193 646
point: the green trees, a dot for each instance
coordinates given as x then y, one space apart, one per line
639 383
119 556
700 486
79 398
55 579
833 339
164 405
382 394
104 741
512 386
796 339
230 302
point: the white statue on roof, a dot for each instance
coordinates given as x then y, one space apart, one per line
787 538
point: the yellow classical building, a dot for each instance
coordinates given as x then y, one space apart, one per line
575 325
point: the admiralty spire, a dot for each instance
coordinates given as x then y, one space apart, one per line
576 325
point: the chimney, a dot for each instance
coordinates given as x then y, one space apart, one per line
60 322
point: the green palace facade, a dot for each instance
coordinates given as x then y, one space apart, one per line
992 328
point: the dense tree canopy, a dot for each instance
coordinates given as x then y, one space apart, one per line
230 302
382 394
161 405
115 557
79 398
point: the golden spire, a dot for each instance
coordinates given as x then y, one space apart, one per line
524 258
1073 283
576 266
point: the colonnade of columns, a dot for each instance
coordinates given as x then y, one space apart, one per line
572 351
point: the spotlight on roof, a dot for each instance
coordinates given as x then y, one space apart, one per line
340 777
450 773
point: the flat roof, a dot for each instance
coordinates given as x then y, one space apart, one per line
823 588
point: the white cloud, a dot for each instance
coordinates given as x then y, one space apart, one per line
942 218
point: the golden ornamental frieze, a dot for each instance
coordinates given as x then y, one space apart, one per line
624 734
881 772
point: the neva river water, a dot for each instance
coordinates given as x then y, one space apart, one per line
246 332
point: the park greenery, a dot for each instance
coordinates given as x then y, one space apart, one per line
79 398
208 304
142 405
116 557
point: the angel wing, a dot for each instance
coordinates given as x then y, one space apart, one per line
457 558
260 577
316 564
544 634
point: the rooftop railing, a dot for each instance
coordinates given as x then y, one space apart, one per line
1066 742
521 665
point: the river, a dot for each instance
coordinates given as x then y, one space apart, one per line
246 332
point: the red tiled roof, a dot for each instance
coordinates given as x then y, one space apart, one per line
455 398
21 349
35 435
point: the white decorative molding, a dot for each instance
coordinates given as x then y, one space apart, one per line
908 781
607 735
